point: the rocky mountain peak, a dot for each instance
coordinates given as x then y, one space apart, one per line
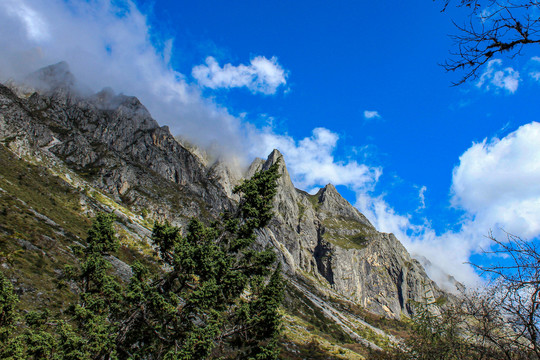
52 77
124 107
274 156
256 165
284 181
114 144
107 99
331 202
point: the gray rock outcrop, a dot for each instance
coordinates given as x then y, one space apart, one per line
112 141
325 237
115 144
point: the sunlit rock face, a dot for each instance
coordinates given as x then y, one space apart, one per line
113 142
325 237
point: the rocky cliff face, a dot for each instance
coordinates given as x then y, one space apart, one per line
113 143
325 238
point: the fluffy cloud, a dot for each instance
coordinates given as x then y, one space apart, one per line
261 75
498 182
371 115
495 78
311 162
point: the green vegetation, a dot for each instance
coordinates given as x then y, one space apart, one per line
300 342
314 200
218 299
10 346
40 218
48 195
316 322
334 233
301 211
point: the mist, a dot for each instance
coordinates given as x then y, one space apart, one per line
108 44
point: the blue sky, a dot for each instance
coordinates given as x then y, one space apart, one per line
351 92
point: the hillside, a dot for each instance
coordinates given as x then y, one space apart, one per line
65 156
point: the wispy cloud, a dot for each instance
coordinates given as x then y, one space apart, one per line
535 64
371 114
496 78
422 198
261 75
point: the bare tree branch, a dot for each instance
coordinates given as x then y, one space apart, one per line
494 28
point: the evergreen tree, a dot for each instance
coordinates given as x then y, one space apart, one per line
218 297
100 298
216 300
10 344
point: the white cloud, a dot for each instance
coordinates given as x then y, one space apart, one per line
371 114
535 74
495 78
262 75
498 182
311 162
422 197
36 28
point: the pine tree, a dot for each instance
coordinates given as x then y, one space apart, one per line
218 299
10 344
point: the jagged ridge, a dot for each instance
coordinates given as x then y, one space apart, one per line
328 248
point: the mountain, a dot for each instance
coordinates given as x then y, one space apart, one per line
66 156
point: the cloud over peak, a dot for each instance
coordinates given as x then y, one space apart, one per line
311 161
262 75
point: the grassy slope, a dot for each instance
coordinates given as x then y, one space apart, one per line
42 220
44 216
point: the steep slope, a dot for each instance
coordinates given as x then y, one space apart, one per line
324 237
114 143
107 153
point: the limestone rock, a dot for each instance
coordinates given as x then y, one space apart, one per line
116 145
113 142
325 237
